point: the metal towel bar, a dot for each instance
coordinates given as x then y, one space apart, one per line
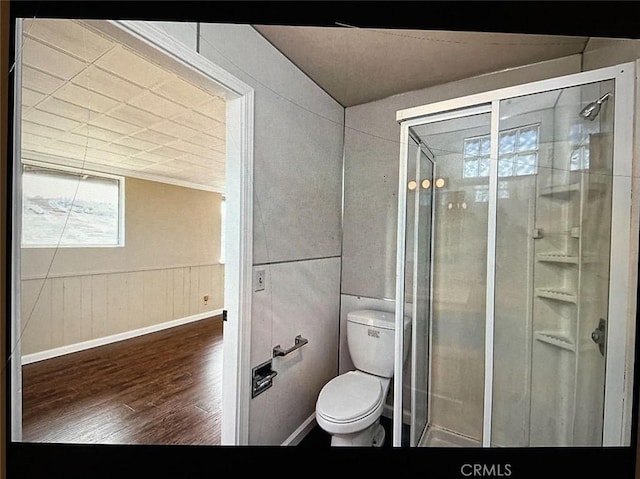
299 342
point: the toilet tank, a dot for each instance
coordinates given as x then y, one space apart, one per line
371 340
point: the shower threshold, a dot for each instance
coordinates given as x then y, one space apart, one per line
438 437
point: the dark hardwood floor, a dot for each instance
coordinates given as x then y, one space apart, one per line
161 388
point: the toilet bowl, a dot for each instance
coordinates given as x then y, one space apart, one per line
349 406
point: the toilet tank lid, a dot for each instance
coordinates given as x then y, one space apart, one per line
371 317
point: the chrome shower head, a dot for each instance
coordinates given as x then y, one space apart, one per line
590 112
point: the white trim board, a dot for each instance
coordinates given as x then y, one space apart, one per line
299 434
114 338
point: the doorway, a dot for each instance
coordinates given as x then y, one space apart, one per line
153 43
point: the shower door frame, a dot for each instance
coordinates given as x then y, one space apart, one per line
618 390
421 148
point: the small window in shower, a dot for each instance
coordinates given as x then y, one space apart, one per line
518 153
482 192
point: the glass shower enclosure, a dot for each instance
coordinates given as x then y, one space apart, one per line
514 238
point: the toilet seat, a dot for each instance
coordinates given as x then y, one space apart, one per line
350 402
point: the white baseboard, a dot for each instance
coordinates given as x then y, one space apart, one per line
300 433
73 348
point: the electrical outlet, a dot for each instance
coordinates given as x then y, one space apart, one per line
206 299
259 280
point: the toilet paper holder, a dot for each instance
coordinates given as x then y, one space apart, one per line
298 343
262 378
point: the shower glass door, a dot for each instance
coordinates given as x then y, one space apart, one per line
445 271
514 266
552 267
420 187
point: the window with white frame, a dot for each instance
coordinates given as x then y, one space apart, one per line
71 208
517 153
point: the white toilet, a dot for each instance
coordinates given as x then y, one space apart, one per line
350 405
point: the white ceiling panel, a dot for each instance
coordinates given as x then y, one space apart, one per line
41 130
120 61
31 97
221 149
40 81
135 164
173 129
100 81
66 109
84 141
216 109
51 120
68 36
183 93
212 159
157 105
71 149
149 106
180 164
30 138
106 155
191 148
194 160
151 157
219 131
169 168
167 152
135 116
122 150
115 125
206 141
197 121
135 143
50 60
98 133
154 137
88 99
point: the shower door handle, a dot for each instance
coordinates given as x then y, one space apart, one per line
599 335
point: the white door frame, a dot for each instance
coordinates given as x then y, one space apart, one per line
624 241
236 379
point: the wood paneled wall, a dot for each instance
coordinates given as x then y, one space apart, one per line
65 310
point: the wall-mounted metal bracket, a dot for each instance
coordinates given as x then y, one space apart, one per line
299 342
262 378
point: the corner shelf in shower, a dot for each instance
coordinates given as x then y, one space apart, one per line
560 190
557 258
557 295
555 338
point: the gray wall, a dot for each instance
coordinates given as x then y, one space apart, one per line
601 53
297 226
72 295
372 152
